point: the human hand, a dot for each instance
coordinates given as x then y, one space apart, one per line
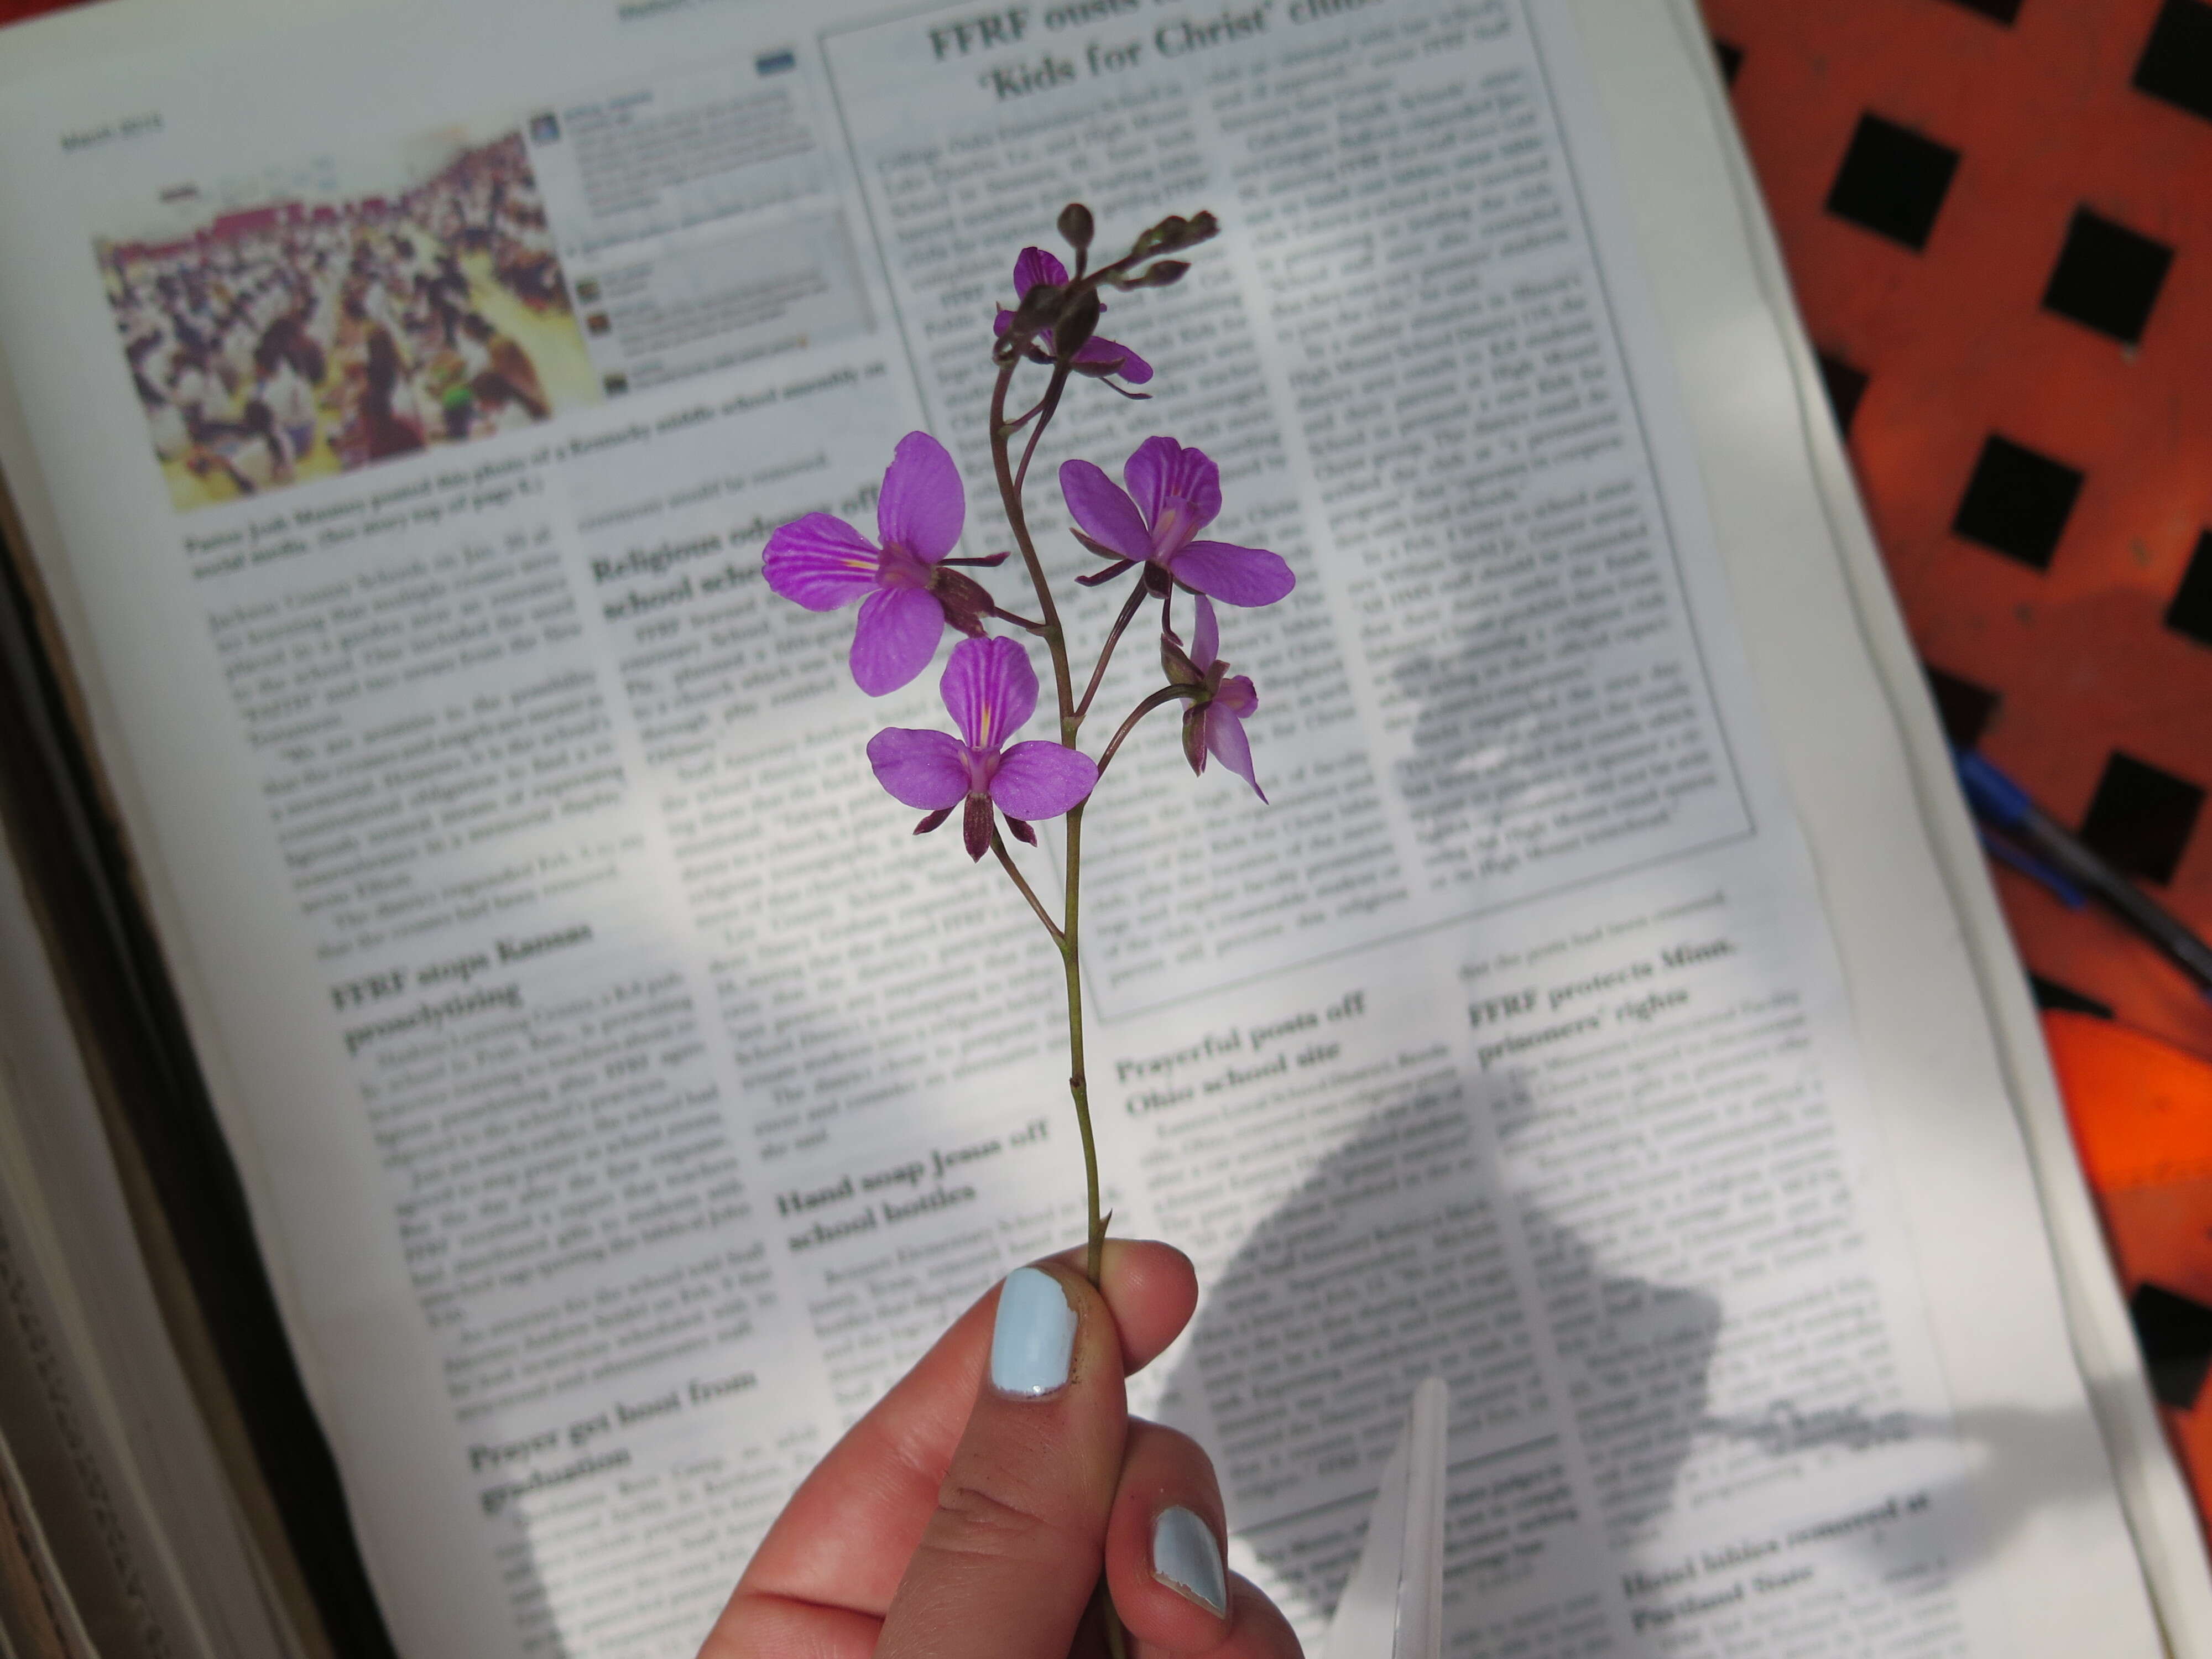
968 1514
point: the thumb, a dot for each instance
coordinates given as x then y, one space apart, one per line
1008 1561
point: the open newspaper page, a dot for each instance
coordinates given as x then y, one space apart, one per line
626 1096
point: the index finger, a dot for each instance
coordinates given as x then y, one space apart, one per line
844 1538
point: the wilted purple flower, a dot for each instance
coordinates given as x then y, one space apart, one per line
906 594
1214 722
1095 356
991 691
1172 494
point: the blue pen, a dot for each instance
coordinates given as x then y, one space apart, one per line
2003 808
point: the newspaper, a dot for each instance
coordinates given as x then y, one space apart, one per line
625 1096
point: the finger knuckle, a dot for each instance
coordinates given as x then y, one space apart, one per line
973 1520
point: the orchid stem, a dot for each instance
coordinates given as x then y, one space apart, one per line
1049 402
1106 652
1009 498
1021 420
1078 1088
1165 695
1021 882
1011 479
1055 639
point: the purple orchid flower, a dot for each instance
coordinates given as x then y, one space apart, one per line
1172 494
907 593
1095 356
1214 722
991 691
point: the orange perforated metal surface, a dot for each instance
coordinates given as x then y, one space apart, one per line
2067 645
2142 1112
1997 218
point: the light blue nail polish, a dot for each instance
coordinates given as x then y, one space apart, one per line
1185 1558
1035 1336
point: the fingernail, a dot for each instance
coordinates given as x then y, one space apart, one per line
1035 1335
1185 1558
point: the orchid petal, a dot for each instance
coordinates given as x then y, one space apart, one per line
925 769
1117 357
1162 470
1204 637
1145 472
1108 516
1042 780
897 636
1235 575
820 562
922 506
1226 738
990 689
1036 265
1237 696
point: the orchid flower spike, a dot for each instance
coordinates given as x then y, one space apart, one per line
1214 722
906 591
1172 494
991 691
1095 356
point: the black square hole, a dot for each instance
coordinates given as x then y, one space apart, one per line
2140 817
2190 613
1731 56
2017 502
1893 181
2176 1334
2050 994
1845 387
2003 11
2177 60
2107 276
1963 706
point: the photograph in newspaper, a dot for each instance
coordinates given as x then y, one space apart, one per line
284 327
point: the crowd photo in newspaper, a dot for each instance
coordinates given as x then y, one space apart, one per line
277 340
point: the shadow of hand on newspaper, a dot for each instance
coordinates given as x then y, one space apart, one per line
1405 1253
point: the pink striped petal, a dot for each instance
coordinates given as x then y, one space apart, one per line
1226 742
1162 470
1109 518
922 506
1034 266
990 689
1235 575
819 562
1042 780
897 636
923 769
